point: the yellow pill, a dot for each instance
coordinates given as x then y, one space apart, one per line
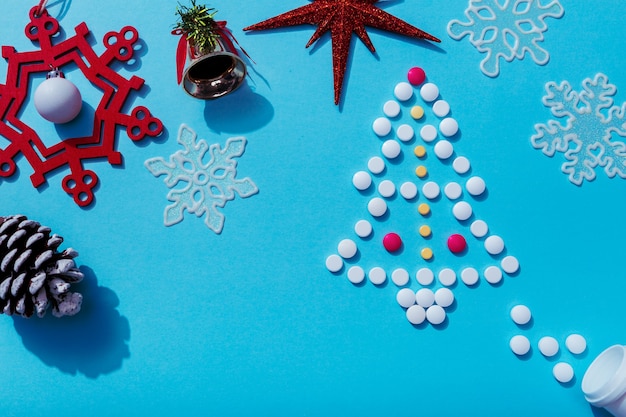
423 209
427 254
417 112
419 151
425 231
421 171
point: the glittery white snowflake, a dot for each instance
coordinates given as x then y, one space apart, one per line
200 187
593 129
507 29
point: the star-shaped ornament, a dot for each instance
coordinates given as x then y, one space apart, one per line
342 18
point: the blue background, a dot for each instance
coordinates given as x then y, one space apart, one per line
181 321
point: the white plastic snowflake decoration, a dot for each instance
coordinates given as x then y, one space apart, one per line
587 137
506 29
200 187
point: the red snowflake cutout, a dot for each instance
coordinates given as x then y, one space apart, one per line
108 116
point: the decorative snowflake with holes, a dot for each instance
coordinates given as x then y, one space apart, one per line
506 29
201 187
100 143
590 130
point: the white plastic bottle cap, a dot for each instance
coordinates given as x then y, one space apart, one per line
461 165
363 228
462 210
447 277
576 344
377 207
469 276
391 108
356 274
548 346
416 314
441 108
425 297
425 276
403 91
334 263
520 345
475 186
361 180
405 297
347 248
453 190
381 126
494 245
520 314
405 132
435 314
376 165
563 372
493 274
603 382
386 188
444 297
408 190
400 277
448 127
431 190
391 149
429 92
509 264
479 228
444 149
377 275
428 133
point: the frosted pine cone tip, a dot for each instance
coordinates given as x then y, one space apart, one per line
34 275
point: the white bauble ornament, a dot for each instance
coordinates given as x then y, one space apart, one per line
57 99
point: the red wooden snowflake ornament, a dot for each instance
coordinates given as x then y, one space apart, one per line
108 116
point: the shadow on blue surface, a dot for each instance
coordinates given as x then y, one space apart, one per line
94 342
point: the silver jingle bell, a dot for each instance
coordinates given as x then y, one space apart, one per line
214 75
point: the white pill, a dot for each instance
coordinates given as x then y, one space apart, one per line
447 277
520 345
444 297
376 165
361 180
435 315
405 132
493 274
462 210
563 372
381 126
363 228
377 275
479 228
416 314
453 190
430 190
475 186
391 149
461 165
356 274
429 92
441 108
377 207
391 108
548 346
576 344
448 127
400 277
425 276
425 297
494 245
520 314
347 248
405 297
444 149
510 264
428 133
408 190
469 276
403 91
334 263
386 188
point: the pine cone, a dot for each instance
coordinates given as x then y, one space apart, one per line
33 274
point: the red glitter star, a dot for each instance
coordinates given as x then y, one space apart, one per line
342 17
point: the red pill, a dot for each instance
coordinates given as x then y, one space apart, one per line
416 76
392 242
456 243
